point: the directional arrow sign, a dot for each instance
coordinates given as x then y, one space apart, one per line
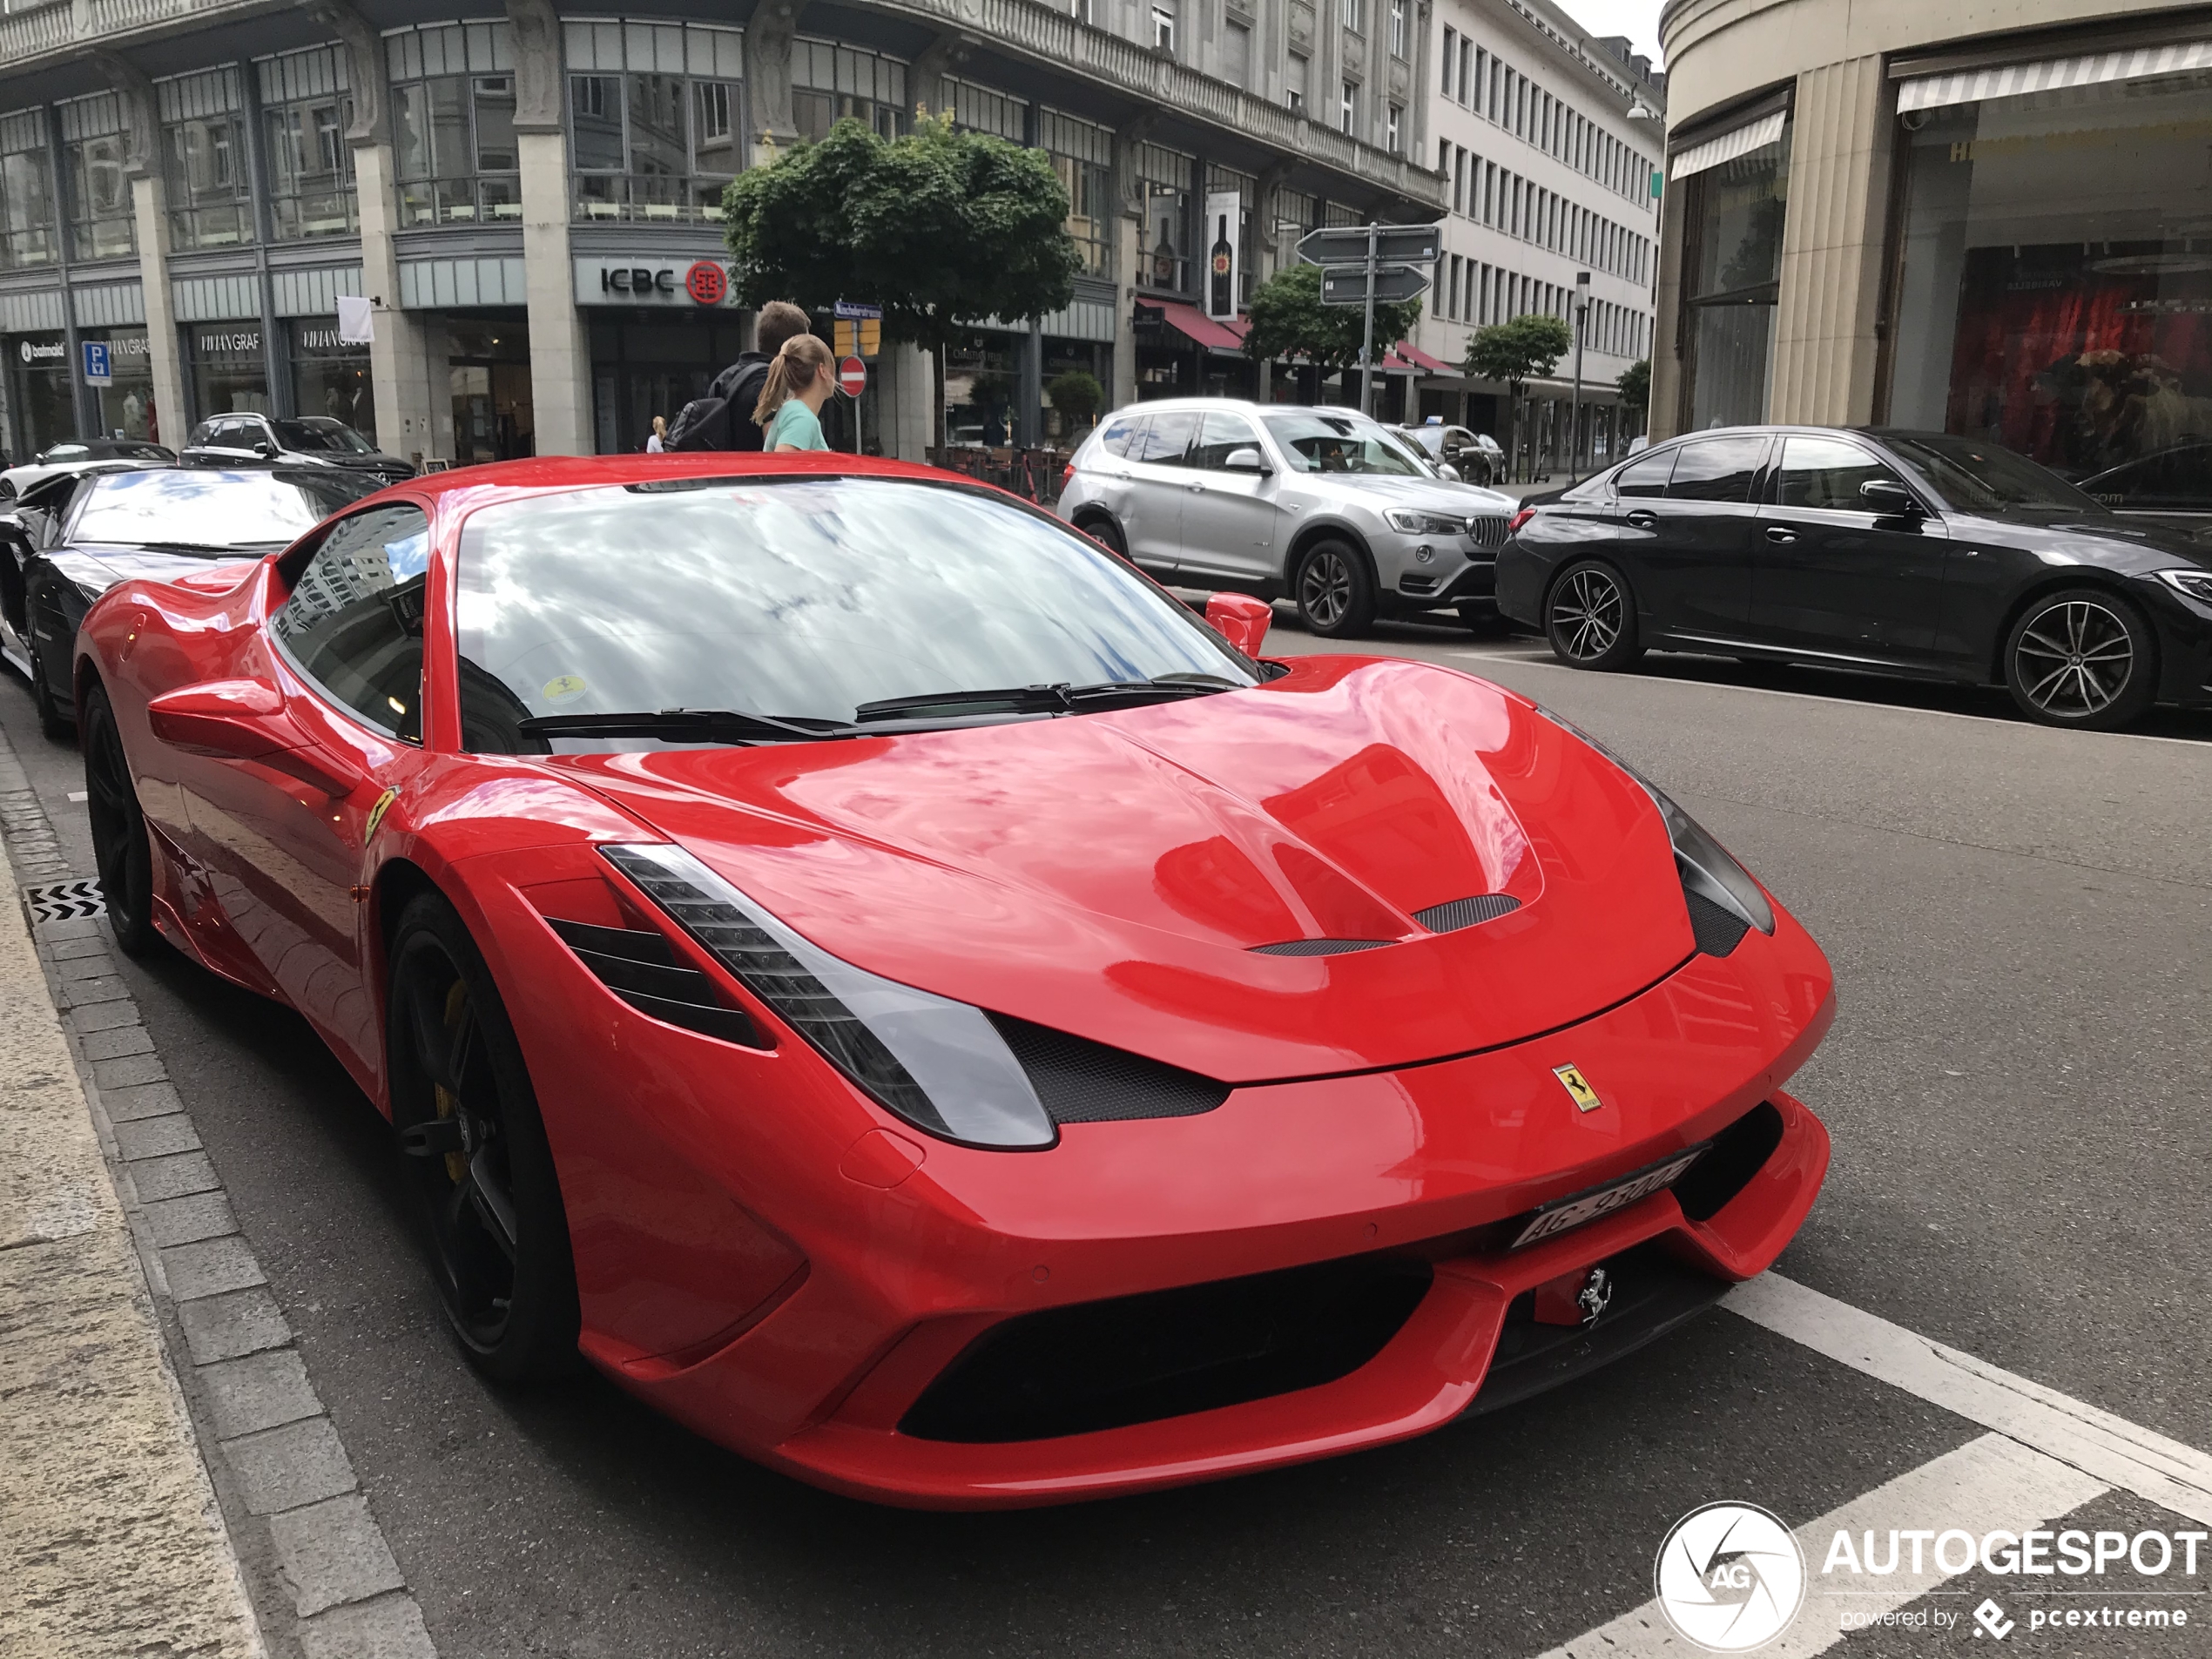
1346 284
1406 244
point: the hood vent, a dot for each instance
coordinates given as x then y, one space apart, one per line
642 968
1465 913
1320 947
1081 1082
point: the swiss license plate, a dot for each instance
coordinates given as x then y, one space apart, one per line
1565 1214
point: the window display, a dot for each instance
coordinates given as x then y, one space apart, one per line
1731 277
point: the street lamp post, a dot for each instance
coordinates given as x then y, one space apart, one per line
1581 327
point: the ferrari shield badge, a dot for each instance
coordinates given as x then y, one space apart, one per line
376 814
1578 1088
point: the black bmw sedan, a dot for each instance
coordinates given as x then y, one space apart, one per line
1912 553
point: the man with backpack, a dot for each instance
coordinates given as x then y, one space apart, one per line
723 419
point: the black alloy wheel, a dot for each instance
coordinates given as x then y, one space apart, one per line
1590 616
2082 657
476 1153
1335 594
52 720
120 851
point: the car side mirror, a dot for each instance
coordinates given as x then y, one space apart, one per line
1887 495
264 448
1240 619
1446 470
245 720
1247 459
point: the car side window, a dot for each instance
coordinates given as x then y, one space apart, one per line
1166 440
1120 433
2178 481
1825 473
1645 477
1222 435
1716 470
353 624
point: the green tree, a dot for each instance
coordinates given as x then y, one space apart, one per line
1290 320
1516 352
1076 395
941 228
1635 385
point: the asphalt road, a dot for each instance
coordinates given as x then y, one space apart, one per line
2021 926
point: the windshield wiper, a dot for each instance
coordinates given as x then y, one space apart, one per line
1040 699
687 726
254 549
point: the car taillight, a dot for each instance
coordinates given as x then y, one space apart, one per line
1513 524
1066 474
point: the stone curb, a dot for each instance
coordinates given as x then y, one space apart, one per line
286 1487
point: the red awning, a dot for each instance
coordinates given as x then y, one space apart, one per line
1200 329
1406 358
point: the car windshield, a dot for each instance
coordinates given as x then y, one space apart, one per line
1982 477
212 512
804 600
1316 441
319 434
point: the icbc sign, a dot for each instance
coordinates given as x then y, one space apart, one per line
704 282
707 282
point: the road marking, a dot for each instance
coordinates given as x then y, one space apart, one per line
77 797
1990 1482
2114 1450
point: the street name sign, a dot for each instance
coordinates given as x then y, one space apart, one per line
1346 284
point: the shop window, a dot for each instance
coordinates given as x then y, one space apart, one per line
2055 288
103 224
654 119
26 192
305 108
1163 236
329 375
1732 265
210 185
453 125
125 403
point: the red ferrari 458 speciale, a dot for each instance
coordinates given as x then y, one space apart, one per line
909 1000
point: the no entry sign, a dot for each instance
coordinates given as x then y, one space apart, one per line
851 377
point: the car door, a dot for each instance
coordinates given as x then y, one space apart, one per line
283 855
1839 574
1227 514
1697 560
1103 468
1152 521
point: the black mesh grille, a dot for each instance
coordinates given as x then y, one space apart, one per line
642 969
1319 947
1139 1359
1717 933
1081 1082
1465 913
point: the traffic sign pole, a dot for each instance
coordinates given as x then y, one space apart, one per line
852 380
1367 335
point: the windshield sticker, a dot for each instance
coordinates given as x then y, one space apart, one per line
564 688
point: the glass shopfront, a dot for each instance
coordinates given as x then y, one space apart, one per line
41 407
1731 277
227 368
644 364
330 377
2054 290
490 360
126 403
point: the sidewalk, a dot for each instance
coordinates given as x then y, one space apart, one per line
110 1541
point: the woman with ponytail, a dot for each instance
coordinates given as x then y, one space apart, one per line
800 378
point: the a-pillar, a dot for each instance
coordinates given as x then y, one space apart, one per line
560 351
150 206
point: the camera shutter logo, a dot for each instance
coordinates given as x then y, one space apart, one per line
1730 1577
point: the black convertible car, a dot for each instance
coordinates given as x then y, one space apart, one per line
80 536
1912 553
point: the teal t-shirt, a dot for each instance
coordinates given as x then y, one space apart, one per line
794 424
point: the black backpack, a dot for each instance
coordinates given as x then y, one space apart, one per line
723 419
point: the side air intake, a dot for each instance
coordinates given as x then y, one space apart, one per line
642 969
1465 913
1717 931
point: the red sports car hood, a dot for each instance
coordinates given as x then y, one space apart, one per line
1112 874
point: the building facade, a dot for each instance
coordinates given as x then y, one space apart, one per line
530 197
1996 223
1547 140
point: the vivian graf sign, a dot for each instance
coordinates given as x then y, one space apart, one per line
690 284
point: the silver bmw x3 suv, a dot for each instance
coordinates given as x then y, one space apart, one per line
1321 506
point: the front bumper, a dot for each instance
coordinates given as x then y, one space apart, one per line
900 1268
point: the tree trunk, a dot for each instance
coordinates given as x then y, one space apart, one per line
1513 432
937 403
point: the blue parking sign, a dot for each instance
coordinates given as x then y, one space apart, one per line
95 363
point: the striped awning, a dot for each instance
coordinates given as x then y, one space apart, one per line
2013 80
1713 151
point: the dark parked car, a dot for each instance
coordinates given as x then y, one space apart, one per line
2171 489
1474 456
244 439
160 523
1912 553
29 520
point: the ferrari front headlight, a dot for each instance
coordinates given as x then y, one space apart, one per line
939 1064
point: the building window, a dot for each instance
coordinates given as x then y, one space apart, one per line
1348 108
1163 28
831 84
453 125
1397 28
102 222
2055 284
1236 54
1082 154
1294 84
1355 16
1732 253
305 109
1450 57
653 116
1393 122
26 192
203 139
1164 179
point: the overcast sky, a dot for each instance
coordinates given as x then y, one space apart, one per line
1637 19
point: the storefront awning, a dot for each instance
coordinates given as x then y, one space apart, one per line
1200 329
1405 358
2012 80
1740 142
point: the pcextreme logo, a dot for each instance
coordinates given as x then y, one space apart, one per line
1730 1577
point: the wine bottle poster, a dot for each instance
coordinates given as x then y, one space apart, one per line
1221 238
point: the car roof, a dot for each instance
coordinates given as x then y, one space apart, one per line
544 474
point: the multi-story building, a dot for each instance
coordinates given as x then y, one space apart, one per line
530 197
1548 140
